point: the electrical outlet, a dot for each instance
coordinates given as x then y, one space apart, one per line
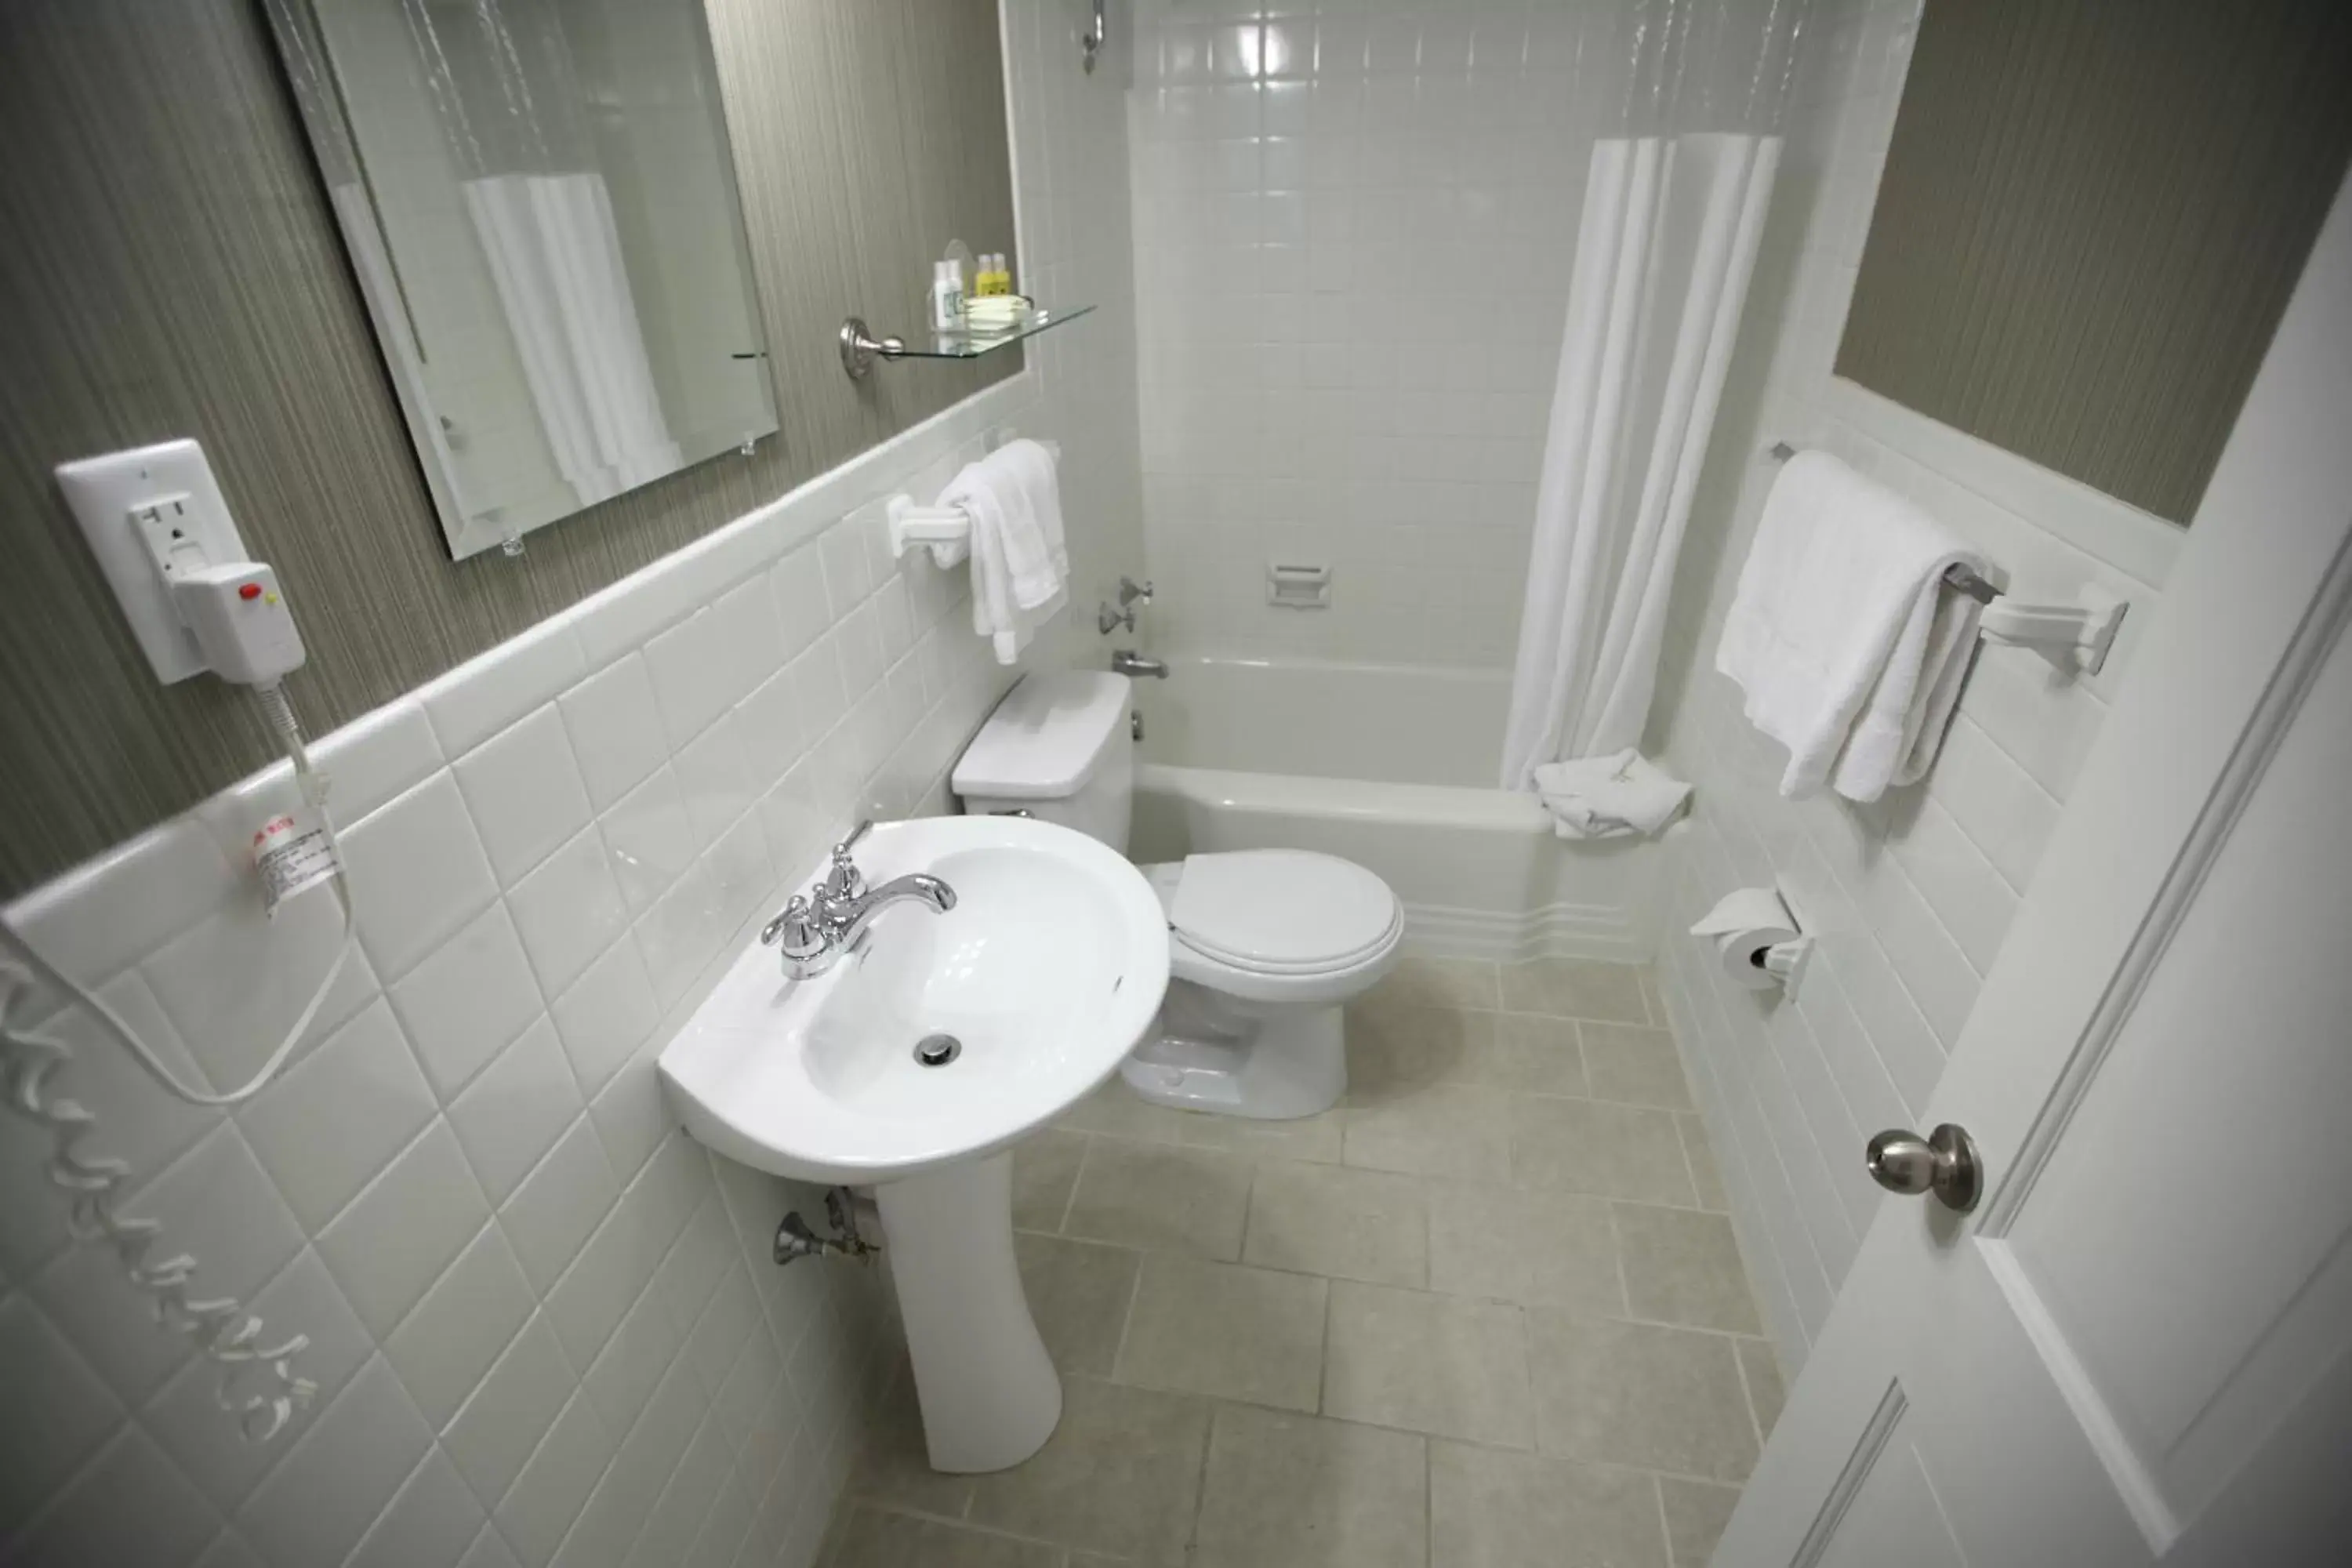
153 515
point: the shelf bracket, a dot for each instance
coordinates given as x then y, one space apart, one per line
859 347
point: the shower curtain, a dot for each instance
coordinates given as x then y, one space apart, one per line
1664 248
517 114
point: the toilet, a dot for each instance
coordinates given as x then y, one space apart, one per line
1266 946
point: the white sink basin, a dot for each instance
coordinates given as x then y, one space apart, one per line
1045 972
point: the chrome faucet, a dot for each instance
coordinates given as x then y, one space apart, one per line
1126 661
831 919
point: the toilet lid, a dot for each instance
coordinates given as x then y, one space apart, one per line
1282 911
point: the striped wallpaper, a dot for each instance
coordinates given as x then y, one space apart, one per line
172 268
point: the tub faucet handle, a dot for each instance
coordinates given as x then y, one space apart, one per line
1129 591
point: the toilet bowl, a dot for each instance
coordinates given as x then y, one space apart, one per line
1266 946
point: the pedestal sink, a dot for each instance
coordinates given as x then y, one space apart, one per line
918 1061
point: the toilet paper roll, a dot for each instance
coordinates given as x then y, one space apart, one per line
1741 926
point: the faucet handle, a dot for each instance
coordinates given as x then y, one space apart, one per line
795 932
1129 591
845 880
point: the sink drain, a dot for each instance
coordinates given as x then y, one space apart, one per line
938 1051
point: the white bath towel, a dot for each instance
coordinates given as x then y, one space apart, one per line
1609 797
1848 646
1020 566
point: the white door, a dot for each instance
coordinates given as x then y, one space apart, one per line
2132 1351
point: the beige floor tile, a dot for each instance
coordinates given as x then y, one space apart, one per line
1591 1146
1493 1509
1575 988
1706 1173
1120 1111
1443 1364
1421 982
1225 1329
1682 1266
1540 1249
1044 1169
1316 1139
1293 1491
1121 1474
871 1538
1078 1294
1457 1131
1399 1052
1630 1393
1160 1199
1636 1066
891 1466
1336 1221
1653 998
1766 1392
1696 1513
1535 1053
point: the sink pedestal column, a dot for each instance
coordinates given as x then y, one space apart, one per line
989 1393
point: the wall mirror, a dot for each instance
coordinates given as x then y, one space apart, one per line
541 207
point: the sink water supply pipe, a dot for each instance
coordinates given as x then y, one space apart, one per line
795 1240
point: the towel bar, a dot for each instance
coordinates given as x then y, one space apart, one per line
944 530
2082 631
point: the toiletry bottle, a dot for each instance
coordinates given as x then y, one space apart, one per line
936 299
947 297
995 275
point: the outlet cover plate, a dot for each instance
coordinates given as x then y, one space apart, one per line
150 513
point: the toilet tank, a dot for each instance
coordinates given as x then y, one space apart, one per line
1057 747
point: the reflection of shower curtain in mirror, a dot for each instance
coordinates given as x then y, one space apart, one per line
515 110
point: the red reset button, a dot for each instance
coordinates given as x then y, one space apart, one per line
248 590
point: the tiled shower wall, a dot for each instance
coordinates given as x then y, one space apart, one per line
1913 895
1354 224
545 1323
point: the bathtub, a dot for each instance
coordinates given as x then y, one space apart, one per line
1392 766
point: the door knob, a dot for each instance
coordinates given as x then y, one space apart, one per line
1944 1163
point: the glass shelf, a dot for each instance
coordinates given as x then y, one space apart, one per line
859 349
972 344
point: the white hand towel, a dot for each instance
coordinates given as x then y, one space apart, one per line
1609 797
1020 564
1848 646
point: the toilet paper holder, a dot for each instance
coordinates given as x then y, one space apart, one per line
1747 913
1785 961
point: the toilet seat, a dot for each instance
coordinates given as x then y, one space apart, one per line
1277 925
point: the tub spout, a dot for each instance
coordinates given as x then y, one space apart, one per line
1126 661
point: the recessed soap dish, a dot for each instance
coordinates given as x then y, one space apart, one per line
1296 585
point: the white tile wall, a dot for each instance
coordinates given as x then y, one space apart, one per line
1353 229
544 1324
1913 895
